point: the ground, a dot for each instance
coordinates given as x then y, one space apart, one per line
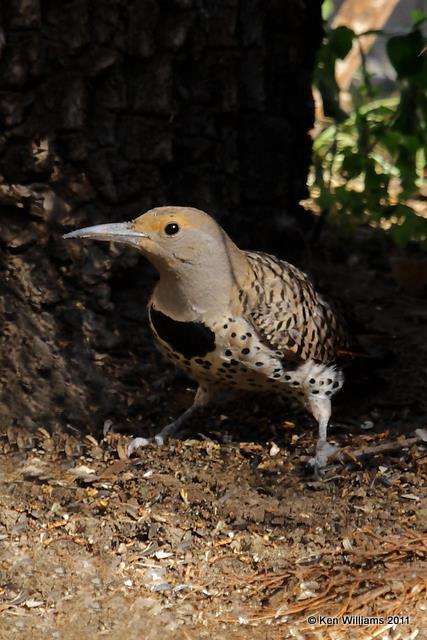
226 534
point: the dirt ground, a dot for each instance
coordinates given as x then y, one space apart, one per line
226 534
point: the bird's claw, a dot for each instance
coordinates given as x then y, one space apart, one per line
324 450
140 443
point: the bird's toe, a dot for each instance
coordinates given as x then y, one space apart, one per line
324 450
137 443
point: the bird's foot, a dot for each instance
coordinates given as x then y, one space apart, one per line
324 450
175 429
140 443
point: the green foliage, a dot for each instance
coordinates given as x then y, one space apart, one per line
370 163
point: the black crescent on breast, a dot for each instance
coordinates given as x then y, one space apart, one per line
191 339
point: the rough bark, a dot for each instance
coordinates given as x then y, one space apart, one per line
110 108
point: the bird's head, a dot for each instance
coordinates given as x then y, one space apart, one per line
170 237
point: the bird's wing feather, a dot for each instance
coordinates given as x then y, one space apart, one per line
289 316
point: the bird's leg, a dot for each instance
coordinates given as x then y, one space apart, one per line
173 429
321 410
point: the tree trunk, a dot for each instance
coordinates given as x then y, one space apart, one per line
110 108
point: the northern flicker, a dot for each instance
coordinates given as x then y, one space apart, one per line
233 319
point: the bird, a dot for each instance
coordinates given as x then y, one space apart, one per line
234 320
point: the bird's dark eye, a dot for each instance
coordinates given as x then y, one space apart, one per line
172 228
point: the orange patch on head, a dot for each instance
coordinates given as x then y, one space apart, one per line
155 220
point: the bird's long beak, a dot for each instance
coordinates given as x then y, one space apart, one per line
116 232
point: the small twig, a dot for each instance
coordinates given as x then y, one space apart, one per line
386 447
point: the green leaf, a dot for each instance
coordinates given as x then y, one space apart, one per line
418 17
404 53
341 41
372 32
325 138
388 103
328 7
